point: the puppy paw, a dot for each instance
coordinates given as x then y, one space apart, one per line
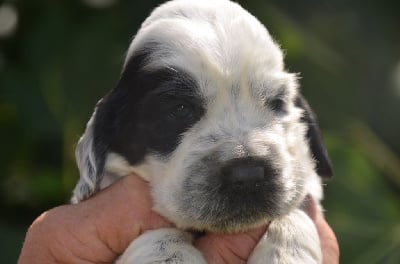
167 245
290 240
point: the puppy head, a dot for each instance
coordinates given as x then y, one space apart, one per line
205 111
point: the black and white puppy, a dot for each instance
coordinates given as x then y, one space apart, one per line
206 113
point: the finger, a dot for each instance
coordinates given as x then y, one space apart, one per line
121 212
226 248
329 243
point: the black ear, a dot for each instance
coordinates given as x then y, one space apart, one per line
324 164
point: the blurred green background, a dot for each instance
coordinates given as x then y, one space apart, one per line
57 58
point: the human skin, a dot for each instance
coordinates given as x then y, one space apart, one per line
99 229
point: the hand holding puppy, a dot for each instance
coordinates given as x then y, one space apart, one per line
99 229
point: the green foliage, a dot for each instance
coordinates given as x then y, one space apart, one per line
362 207
65 55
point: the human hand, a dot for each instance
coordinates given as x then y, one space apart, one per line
329 243
99 229
223 249
96 230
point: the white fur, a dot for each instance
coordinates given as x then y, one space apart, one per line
238 68
167 245
292 239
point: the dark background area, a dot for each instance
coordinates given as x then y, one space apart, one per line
57 58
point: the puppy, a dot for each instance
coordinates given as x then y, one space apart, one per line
206 113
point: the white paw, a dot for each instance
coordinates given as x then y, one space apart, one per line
167 245
290 240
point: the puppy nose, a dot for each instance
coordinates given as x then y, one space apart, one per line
242 173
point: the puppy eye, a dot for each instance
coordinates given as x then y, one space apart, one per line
278 105
181 111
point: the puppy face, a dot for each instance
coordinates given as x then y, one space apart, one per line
205 111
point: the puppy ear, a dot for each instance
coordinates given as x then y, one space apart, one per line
318 150
87 164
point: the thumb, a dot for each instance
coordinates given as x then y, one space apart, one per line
96 230
229 248
122 212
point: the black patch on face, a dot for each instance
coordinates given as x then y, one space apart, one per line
147 111
168 111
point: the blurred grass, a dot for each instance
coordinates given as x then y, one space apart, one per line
65 55
12 237
362 205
